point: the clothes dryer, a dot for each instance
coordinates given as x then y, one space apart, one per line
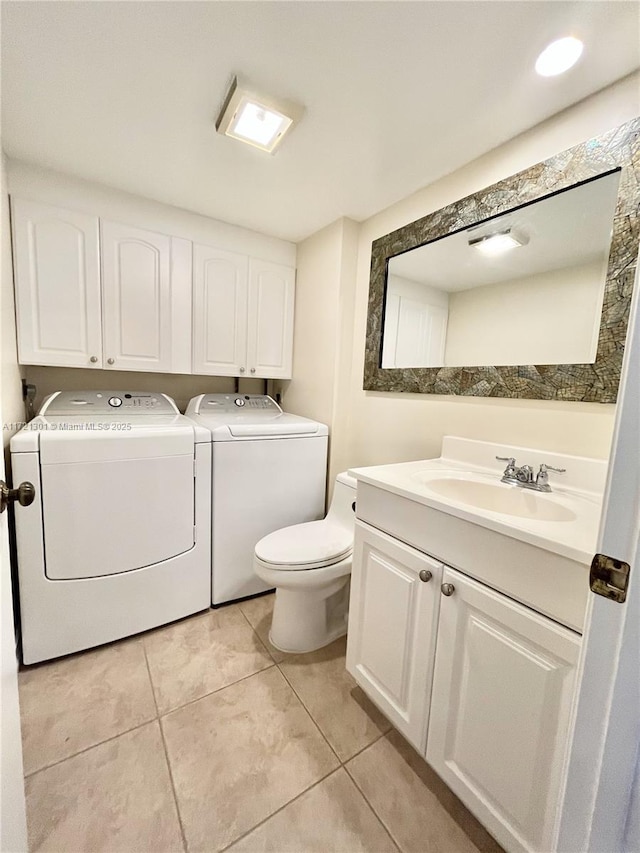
117 540
269 471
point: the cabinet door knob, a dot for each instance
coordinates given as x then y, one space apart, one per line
110 360
242 370
93 359
447 589
253 370
425 575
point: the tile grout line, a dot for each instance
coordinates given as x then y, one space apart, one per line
309 714
163 714
366 799
362 749
166 753
92 746
281 808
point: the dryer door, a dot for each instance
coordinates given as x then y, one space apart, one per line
108 516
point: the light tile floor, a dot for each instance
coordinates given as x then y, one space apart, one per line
200 736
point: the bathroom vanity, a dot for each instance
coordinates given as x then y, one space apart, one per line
467 605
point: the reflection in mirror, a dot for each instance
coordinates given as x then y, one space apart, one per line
525 287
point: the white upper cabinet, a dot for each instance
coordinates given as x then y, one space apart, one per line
270 319
139 293
220 282
92 293
57 274
243 315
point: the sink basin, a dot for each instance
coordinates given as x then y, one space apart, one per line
506 499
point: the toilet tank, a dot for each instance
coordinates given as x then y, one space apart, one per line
343 504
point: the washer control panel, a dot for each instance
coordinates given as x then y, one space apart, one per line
108 403
237 402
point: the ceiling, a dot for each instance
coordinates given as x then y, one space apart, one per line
397 94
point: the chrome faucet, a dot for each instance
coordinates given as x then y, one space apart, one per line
523 475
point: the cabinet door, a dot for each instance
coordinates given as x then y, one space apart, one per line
270 325
57 283
136 287
219 311
502 694
392 628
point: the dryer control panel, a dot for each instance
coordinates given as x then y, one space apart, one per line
221 403
108 403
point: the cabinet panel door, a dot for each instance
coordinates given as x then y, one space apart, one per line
57 283
502 694
392 628
219 311
136 286
270 326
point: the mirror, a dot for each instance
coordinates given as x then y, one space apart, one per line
525 287
545 318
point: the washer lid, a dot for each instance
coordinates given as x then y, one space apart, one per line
306 546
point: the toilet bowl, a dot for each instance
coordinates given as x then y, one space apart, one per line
310 567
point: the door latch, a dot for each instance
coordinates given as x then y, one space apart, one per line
609 577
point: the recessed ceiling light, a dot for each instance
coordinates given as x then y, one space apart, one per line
559 56
258 120
498 243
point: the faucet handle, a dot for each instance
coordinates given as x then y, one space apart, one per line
542 479
510 470
544 468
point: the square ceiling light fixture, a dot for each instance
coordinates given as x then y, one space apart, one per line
499 242
258 120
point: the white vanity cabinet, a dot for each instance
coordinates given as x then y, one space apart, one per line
395 595
94 293
500 706
56 258
243 315
480 684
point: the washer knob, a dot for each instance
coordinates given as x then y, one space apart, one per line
239 401
116 402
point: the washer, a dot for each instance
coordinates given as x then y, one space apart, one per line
118 538
269 471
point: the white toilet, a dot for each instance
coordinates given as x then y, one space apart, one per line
310 567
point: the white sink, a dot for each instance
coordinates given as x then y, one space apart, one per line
465 482
507 499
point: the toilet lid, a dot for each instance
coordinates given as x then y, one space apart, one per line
306 546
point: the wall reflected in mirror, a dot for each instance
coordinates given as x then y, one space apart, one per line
525 287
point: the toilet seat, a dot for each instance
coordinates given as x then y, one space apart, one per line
301 547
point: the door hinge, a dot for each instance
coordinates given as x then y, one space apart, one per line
609 577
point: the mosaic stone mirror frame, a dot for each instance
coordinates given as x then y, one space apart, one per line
597 382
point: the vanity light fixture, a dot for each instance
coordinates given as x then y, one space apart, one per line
258 120
559 56
498 243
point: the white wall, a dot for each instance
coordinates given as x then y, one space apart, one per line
386 427
323 338
549 318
